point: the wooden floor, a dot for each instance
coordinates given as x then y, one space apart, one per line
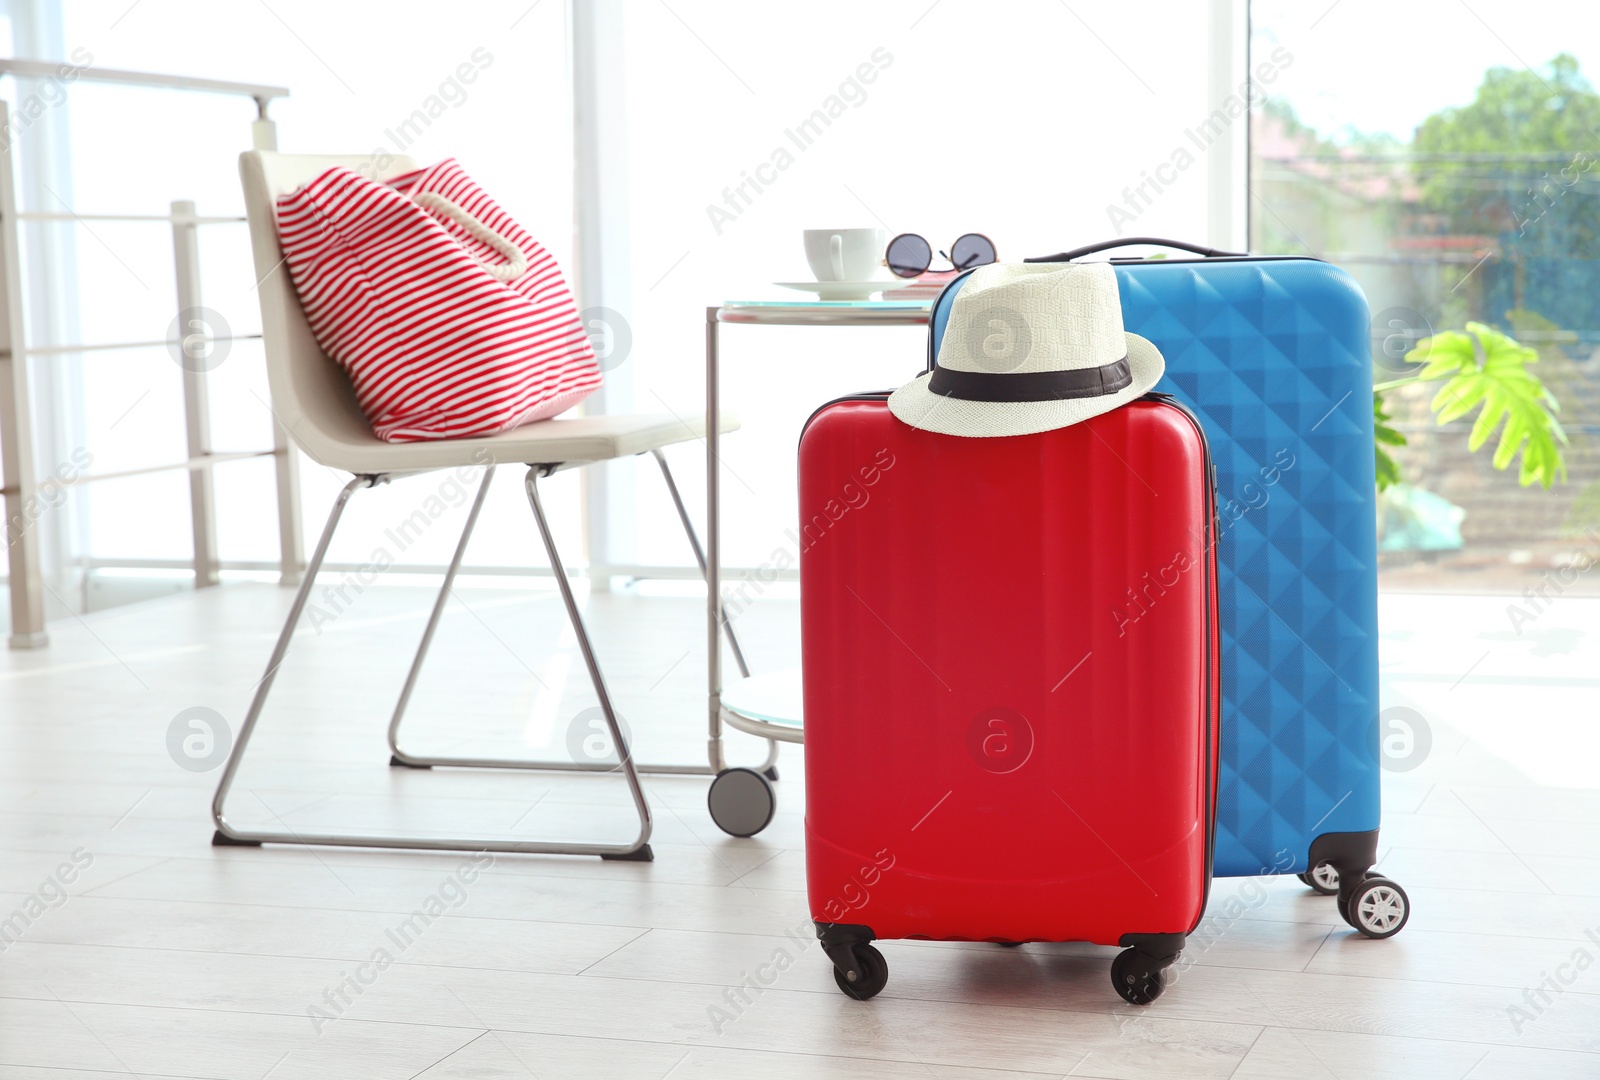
141 949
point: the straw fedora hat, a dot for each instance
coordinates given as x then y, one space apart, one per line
1030 347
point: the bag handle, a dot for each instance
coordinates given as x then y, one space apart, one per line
1130 241
516 263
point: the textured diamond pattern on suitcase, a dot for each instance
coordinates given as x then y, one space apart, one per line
1273 356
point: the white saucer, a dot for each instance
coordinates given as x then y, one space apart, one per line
843 290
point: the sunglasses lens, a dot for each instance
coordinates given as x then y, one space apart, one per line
973 249
908 255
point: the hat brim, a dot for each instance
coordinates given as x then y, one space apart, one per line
918 406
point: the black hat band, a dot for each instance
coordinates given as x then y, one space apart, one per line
1032 385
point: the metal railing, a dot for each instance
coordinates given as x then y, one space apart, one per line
21 482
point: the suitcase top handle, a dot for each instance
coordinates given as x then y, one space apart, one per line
1131 241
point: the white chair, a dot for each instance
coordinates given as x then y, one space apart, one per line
314 402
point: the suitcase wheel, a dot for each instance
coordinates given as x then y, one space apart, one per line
874 973
741 801
1378 907
1138 977
1323 878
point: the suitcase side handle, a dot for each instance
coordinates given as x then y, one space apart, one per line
1130 241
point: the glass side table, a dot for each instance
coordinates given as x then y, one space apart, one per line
742 800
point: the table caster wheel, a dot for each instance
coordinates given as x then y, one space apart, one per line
1323 878
874 973
741 801
1137 977
1379 908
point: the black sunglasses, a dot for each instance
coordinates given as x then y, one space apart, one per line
909 254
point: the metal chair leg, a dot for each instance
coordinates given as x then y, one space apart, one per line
400 757
228 834
396 755
700 558
225 832
624 751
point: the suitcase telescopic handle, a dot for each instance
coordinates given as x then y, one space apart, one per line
1131 241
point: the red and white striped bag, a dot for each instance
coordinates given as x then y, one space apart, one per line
451 320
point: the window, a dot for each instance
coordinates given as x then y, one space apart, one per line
1469 194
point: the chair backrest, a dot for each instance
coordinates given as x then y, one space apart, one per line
311 394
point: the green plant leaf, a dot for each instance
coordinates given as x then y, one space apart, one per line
1444 354
1388 470
1458 397
1483 367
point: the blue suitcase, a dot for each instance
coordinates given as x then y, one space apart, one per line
1273 355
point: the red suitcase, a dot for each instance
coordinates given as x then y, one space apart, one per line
1011 685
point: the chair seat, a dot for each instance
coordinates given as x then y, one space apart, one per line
572 440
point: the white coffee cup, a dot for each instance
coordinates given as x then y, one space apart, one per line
845 254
